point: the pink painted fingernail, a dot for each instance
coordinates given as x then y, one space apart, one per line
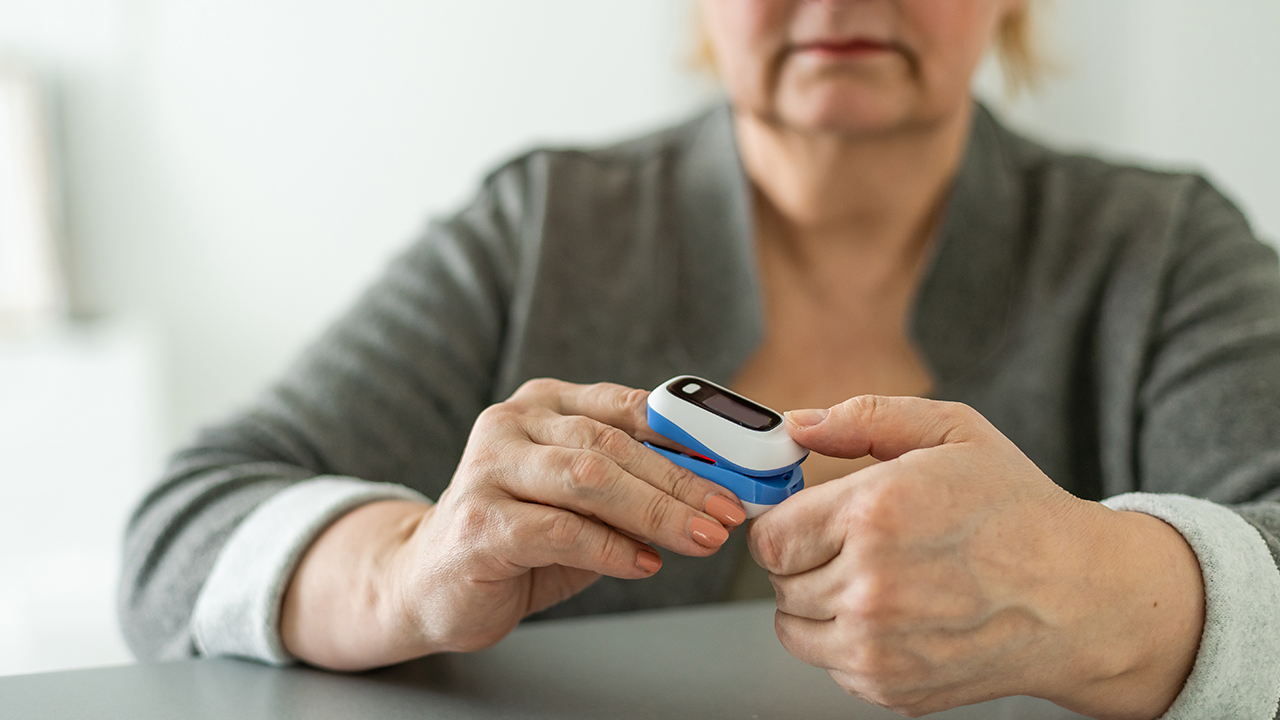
648 561
806 418
725 510
707 533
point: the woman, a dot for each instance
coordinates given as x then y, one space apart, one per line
852 225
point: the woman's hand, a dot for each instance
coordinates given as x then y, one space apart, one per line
553 490
955 572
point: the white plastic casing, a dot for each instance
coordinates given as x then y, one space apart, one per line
752 449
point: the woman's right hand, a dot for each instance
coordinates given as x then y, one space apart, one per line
553 490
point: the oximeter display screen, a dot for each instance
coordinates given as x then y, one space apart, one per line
728 405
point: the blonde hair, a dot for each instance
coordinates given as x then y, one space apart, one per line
1016 45
1018 50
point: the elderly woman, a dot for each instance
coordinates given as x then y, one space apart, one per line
850 225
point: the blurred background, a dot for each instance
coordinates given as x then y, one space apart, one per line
191 189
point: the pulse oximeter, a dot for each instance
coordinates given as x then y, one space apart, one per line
740 445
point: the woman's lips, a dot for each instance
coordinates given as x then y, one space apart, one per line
855 48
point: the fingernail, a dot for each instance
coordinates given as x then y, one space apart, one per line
725 510
648 561
806 418
707 533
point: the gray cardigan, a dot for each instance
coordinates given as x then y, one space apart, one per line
1122 326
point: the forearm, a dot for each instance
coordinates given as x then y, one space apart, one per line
344 608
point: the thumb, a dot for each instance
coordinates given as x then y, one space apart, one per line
883 427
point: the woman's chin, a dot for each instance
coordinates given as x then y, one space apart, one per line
845 114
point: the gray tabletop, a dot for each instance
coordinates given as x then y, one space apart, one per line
709 662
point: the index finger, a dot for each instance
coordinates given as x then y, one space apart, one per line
617 405
654 471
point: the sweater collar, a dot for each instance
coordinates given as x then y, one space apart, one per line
718 308
961 310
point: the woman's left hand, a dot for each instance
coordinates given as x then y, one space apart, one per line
955 572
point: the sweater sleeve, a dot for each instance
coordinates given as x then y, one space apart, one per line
238 610
380 406
1237 668
1209 428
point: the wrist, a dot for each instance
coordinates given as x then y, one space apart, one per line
343 608
400 591
1139 613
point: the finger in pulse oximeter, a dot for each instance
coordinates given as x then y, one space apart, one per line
741 445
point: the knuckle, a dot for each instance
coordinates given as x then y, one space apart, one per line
621 396
862 409
890 698
632 398
541 386
496 414
679 482
471 518
875 663
779 591
583 432
883 500
610 440
657 511
506 418
601 388
878 512
765 546
960 411
886 694
849 685
873 599
537 388
564 530
959 421
608 389
910 707
783 631
632 402
613 549
588 472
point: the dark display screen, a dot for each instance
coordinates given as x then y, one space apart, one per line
739 413
724 403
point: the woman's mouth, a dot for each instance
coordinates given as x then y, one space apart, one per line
854 48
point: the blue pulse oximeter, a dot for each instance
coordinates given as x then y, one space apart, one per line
741 446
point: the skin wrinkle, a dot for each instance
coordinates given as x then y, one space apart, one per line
946 544
485 543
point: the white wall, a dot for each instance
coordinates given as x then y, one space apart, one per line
238 169
1177 83
277 153
77 447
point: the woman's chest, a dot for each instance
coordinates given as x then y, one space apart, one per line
821 348
787 376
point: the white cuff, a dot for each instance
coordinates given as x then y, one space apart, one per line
1237 669
238 610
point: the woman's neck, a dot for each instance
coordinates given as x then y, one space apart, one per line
884 189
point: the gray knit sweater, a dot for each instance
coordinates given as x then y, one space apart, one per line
1122 326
